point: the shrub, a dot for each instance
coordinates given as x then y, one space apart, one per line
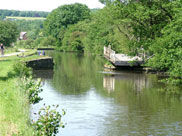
37 42
27 44
49 121
48 41
32 88
22 70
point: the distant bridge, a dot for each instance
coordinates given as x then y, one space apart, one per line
120 60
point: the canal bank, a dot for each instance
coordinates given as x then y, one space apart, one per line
14 104
14 107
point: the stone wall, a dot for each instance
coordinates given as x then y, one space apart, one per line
45 63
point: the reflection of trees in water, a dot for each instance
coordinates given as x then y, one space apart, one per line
148 111
74 73
123 85
43 74
138 81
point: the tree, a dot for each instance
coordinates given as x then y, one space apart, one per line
23 13
168 49
145 19
74 36
8 32
58 20
92 34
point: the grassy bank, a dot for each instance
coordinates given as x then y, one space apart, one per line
14 107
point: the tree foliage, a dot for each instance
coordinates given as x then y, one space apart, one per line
93 34
129 26
155 27
146 18
8 32
168 49
32 27
4 12
74 37
49 121
59 19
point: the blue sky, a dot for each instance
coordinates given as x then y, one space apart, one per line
44 5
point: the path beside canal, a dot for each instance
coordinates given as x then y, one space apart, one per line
15 53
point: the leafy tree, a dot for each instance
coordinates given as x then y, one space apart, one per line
8 32
105 30
74 37
168 49
59 19
145 19
33 34
48 41
28 25
93 34
23 13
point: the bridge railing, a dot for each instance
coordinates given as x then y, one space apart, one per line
109 53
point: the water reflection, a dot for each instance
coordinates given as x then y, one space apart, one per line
102 103
109 83
139 80
44 74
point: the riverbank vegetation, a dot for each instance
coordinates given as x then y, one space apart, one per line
17 13
14 107
8 32
18 91
150 29
147 28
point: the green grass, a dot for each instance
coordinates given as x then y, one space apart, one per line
26 18
10 50
14 107
14 110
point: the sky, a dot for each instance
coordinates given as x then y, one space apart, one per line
44 5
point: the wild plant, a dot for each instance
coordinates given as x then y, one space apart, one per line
49 121
32 88
22 70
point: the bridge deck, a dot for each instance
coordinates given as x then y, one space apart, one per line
121 59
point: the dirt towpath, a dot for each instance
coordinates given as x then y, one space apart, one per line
15 53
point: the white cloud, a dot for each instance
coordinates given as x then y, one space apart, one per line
44 5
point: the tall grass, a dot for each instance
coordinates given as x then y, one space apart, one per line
14 107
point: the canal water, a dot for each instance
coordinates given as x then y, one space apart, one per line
104 103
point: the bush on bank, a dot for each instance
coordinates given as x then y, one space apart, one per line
15 101
49 121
